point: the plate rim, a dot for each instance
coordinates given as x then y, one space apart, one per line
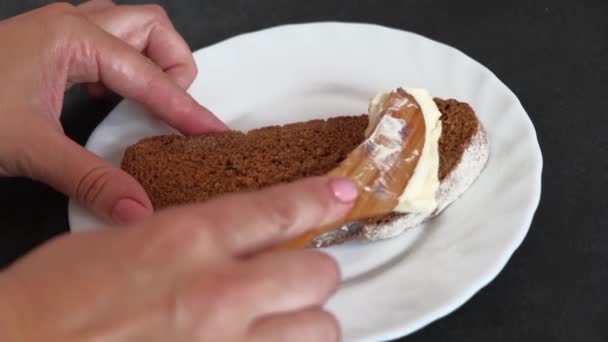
490 273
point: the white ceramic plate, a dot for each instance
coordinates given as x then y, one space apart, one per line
299 72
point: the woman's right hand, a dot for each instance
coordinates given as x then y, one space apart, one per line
200 273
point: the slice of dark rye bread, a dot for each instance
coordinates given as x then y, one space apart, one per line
177 170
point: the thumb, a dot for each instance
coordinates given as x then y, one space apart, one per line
109 192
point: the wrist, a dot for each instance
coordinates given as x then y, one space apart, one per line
11 319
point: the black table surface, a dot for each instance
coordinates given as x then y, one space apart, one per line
552 54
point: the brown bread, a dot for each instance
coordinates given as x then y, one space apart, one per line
178 170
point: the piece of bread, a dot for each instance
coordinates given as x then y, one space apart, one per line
178 170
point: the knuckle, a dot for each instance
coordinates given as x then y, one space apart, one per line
157 11
259 282
91 185
282 214
182 235
235 284
214 229
221 289
190 70
61 7
195 239
60 21
25 162
313 200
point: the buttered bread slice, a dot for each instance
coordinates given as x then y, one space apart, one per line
176 170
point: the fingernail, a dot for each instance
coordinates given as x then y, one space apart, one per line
128 211
344 190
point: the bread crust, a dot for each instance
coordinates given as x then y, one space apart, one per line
457 182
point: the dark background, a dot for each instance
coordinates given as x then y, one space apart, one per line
552 54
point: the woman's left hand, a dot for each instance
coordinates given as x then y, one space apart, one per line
131 50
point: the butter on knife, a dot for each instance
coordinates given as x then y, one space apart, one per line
382 165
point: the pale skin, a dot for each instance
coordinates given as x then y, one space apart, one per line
198 273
